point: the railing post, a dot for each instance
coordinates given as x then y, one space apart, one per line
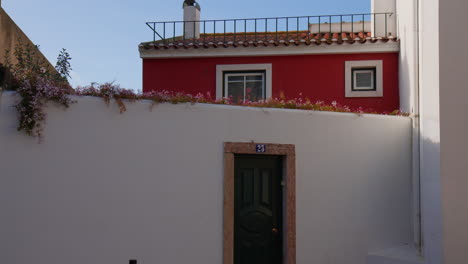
319 25
245 30
164 33
341 25
235 29
297 29
255 30
276 29
363 28
183 34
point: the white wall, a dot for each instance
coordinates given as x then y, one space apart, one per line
418 29
105 188
325 27
383 25
430 130
454 129
407 20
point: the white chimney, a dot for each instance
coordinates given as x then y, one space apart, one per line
192 19
383 25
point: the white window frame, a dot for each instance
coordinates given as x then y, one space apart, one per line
232 68
350 65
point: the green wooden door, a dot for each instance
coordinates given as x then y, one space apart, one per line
258 210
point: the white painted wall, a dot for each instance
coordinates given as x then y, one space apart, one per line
454 129
407 21
430 130
418 29
356 26
105 188
383 25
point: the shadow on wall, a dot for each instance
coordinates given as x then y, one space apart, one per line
431 204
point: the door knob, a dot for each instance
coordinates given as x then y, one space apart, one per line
275 230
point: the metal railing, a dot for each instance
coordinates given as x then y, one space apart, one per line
267 29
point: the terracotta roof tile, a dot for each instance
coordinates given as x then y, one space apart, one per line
265 39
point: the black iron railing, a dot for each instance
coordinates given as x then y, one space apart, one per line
276 28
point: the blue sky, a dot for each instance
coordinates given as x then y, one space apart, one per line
102 36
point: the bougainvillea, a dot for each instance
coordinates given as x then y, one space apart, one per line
37 83
109 91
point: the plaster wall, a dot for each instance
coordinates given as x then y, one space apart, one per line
317 77
106 187
356 26
430 130
407 17
454 129
384 25
407 21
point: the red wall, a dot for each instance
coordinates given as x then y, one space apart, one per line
318 77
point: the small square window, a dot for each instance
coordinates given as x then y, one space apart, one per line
364 79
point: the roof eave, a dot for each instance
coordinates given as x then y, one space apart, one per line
245 49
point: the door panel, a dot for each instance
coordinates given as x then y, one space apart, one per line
258 210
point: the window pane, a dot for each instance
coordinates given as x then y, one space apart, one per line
236 92
255 78
364 79
235 78
254 91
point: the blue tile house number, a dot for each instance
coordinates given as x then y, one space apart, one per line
260 148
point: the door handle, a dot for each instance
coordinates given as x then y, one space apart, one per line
274 231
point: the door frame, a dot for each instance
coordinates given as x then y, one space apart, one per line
289 195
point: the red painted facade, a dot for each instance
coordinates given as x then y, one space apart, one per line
317 77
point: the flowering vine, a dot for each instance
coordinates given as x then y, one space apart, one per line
36 83
109 91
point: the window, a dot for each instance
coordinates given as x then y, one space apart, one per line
244 86
243 82
363 79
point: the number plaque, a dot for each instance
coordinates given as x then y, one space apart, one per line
260 148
